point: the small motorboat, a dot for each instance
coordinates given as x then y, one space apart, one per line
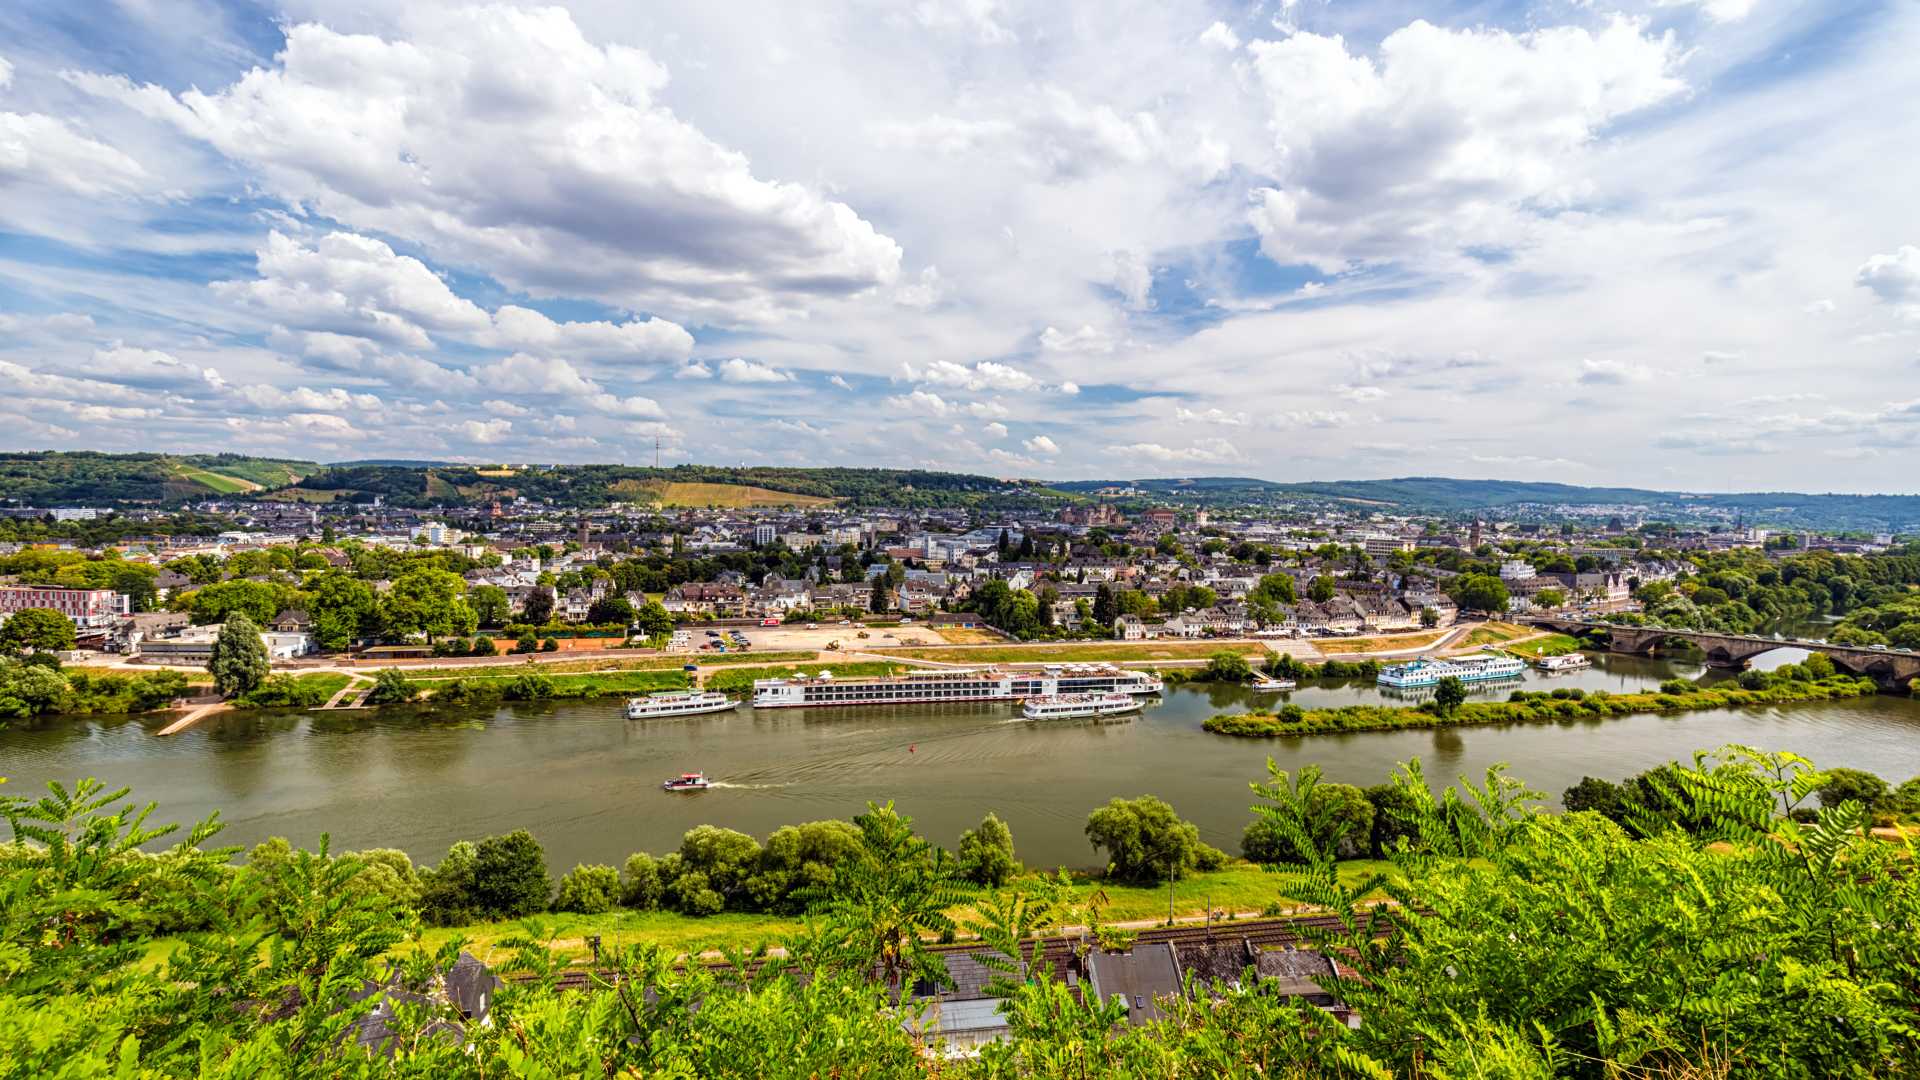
1271 684
692 781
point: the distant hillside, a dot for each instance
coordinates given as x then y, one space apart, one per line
1444 496
682 485
85 478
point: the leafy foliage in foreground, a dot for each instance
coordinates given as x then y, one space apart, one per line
1764 936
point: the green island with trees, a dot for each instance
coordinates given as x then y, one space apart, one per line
1813 679
1737 914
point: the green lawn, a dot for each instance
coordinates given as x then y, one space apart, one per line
1240 889
611 662
1078 652
1551 645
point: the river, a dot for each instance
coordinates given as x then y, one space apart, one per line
586 781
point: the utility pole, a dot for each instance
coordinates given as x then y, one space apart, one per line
656 451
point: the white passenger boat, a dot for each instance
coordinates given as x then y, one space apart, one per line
1272 685
677 703
1425 672
956 685
1569 662
1077 706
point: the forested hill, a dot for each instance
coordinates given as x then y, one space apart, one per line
57 478
1446 496
85 478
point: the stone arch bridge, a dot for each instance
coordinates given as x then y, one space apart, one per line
1890 668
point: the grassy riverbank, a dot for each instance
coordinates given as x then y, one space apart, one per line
1241 888
513 667
1533 708
1080 652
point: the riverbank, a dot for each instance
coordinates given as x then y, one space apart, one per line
1530 708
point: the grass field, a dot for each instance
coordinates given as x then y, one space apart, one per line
213 481
960 635
612 663
598 684
1551 645
1380 644
665 493
1240 889
1494 633
1079 652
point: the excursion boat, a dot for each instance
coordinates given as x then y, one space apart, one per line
677 703
691 781
1569 662
937 687
1077 706
1270 684
1426 672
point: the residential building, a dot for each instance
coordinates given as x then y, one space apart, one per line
90 609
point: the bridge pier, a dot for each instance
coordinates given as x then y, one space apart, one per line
1891 670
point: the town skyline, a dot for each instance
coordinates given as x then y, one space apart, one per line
1649 244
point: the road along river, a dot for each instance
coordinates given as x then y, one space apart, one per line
586 781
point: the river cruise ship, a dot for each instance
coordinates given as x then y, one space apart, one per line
934 687
1426 672
677 703
1569 662
1078 706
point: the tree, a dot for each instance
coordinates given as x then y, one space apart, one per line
392 687
258 600
725 859
1856 785
1105 607
887 902
428 602
1599 796
343 608
985 854
239 658
640 882
1449 695
1479 592
1302 820
1429 618
1321 590
1145 841
538 607
653 619
1228 666
611 609
490 605
588 889
36 630
879 601
1274 589
510 876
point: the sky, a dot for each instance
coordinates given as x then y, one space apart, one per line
1666 243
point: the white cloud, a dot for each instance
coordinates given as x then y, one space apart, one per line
486 432
1444 141
350 284
148 368
738 370
1819 307
839 382
1210 416
525 373
1220 36
46 150
1716 356
921 401
1204 451
1894 279
996 430
504 408
1085 339
1040 444
694 370
986 375
523 328
1722 11
1613 372
502 137
636 407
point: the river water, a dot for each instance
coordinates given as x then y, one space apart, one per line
586 781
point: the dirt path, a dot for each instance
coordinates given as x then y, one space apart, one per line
194 716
